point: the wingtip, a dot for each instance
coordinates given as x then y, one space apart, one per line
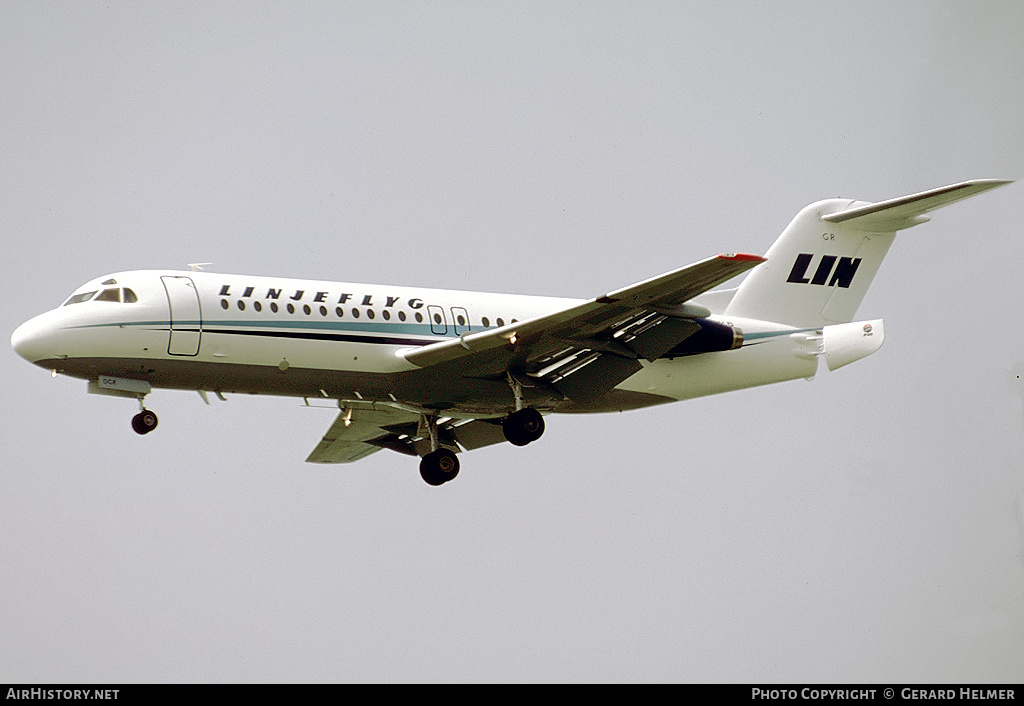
984 184
741 257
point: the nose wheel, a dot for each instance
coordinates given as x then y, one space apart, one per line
144 422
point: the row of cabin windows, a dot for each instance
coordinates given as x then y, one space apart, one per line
127 296
370 313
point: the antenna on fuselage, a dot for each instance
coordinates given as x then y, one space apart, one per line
198 266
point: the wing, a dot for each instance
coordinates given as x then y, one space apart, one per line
580 351
349 438
606 335
363 428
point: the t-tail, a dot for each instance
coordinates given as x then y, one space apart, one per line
820 268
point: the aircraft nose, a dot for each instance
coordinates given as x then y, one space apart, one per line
32 340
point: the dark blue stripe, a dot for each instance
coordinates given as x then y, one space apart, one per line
323 336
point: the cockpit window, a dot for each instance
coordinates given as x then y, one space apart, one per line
79 298
125 295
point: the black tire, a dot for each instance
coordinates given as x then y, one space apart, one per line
144 422
439 466
523 427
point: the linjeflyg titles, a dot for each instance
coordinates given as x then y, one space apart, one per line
317 297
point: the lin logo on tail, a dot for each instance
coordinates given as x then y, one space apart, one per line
829 272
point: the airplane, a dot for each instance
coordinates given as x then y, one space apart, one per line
432 373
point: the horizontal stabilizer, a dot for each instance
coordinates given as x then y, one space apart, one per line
906 211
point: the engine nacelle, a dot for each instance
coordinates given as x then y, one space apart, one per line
845 343
711 337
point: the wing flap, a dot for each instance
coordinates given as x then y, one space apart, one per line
363 428
478 433
596 377
351 437
341 451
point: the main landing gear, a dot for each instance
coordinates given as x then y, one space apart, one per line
441 464
523 427
520 428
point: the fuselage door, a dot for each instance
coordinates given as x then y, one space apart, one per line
186 316
438 321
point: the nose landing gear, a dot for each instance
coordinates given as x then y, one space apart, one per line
144 422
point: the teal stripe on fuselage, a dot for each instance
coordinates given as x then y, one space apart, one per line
393 328
773 334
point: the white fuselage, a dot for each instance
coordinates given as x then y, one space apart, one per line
264 335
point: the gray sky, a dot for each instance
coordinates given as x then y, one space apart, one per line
867 526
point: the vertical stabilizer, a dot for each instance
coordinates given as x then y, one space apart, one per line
820 268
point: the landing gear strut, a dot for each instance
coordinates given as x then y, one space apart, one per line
526 424
441 464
